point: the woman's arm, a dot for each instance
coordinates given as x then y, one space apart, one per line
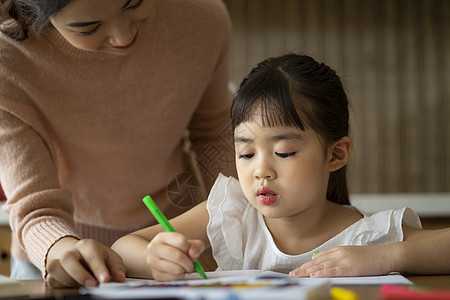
153 253
210 129
41 212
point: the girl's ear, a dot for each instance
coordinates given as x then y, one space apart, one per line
340 153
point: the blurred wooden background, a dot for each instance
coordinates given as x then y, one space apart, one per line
394 59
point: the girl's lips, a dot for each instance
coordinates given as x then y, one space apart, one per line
266 196
130 44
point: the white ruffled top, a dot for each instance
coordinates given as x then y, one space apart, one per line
240 239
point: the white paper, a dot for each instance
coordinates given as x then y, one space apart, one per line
280 286
365 280
273 286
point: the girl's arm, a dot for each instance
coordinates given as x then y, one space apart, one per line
153 253
421 252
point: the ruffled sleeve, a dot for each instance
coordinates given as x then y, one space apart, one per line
227 207
385 227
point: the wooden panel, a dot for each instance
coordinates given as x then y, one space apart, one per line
394 59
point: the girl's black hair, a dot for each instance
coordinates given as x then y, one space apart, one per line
295 90
24 14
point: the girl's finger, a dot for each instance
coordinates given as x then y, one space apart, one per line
166 270
299 272
196 248
174 255
326 272
174 239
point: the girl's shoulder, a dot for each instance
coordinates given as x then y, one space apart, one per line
378 228
394 217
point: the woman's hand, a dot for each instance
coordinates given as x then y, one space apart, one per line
346 261
170 255
72 262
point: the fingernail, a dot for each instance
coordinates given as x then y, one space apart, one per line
196 255
90 283
103 277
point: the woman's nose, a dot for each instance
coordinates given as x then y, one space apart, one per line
121 34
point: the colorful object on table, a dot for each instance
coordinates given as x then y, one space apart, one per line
338 293
159 216
400 292
315 252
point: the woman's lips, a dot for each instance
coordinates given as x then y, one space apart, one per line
266 196
130 44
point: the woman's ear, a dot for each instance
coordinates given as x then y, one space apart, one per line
340 153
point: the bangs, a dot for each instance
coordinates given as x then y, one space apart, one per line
271 91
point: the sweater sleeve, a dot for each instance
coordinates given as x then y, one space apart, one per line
40 211
210 126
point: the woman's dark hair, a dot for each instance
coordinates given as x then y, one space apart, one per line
295 90
24 14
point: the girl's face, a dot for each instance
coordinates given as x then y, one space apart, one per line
283 171
110 26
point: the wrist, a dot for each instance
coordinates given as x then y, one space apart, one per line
395 256
58 247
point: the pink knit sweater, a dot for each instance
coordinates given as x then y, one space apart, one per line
85 135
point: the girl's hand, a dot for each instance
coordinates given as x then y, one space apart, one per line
346 261
72 262
170 255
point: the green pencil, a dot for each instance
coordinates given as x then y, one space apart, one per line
159 216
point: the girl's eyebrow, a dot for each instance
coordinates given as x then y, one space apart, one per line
275 138
242 140
286 136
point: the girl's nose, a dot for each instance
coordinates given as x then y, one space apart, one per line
264 171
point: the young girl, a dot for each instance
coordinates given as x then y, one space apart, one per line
291 125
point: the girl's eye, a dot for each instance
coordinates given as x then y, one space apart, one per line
139 3
90 32
284 155
245 156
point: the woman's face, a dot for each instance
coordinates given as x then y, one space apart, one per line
110 26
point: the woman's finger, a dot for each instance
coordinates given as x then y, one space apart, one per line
57 277
115 265
94 255
75 264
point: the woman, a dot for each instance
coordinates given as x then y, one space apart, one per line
95 99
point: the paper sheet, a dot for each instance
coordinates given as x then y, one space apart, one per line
243 285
